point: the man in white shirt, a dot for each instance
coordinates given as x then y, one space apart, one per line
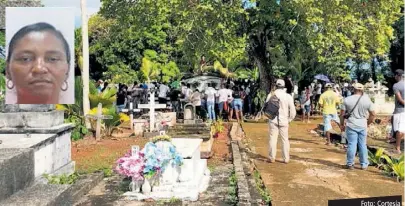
163 90
222 98
279 125
210 94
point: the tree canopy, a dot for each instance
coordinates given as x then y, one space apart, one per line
158 39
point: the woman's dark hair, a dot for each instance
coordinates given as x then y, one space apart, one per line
38 27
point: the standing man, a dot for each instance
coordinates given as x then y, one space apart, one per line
222 100
355 110
306 104
399 112
210 94
279 125
318 93
163 91
328 102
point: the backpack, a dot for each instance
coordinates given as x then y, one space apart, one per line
271 108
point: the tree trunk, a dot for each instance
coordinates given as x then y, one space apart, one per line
373 69
85 69
264 74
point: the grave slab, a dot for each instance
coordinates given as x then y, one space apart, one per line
16 170
51 151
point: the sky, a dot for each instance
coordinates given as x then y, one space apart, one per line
93 6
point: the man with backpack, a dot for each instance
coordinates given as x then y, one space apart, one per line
280 110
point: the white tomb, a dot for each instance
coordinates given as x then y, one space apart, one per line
40 128
52 153
380 105
184 182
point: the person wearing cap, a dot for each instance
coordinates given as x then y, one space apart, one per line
328 101
279 125
354 122
398 124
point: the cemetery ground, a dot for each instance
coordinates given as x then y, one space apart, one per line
315 173
91 156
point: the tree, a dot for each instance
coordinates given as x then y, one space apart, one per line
179 31
330 31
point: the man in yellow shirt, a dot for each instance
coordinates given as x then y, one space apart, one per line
328 102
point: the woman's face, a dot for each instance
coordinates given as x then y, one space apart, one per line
38 64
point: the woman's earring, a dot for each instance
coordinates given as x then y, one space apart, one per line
10 84
64 86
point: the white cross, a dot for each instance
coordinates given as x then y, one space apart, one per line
152 106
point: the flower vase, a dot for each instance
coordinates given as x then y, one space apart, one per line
136 186
146 187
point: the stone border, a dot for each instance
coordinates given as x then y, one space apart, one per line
243 187
42 193
83 186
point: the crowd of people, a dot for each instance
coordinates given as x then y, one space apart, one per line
228 101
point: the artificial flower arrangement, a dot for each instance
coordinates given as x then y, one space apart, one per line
161 138
151 161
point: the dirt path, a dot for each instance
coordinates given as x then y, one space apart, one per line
315 173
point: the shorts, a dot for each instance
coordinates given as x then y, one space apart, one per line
230 104
327 121
398 123
237 104
307 109
162 100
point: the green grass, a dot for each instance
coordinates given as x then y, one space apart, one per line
62 179
232 198
171 201
261 188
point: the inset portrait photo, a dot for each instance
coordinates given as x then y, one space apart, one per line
39 55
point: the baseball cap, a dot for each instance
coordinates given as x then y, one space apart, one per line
280 83
328 85
358 86
399 72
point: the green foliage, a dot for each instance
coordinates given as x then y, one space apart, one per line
171 201
394 167
154 68
110 125
377 158
74 112
107 172
217 126
232 198
106 98
266 198
62 179
260 98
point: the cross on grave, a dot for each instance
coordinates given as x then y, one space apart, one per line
152 106
99 117
131 111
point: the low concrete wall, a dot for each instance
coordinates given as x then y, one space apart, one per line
243 187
